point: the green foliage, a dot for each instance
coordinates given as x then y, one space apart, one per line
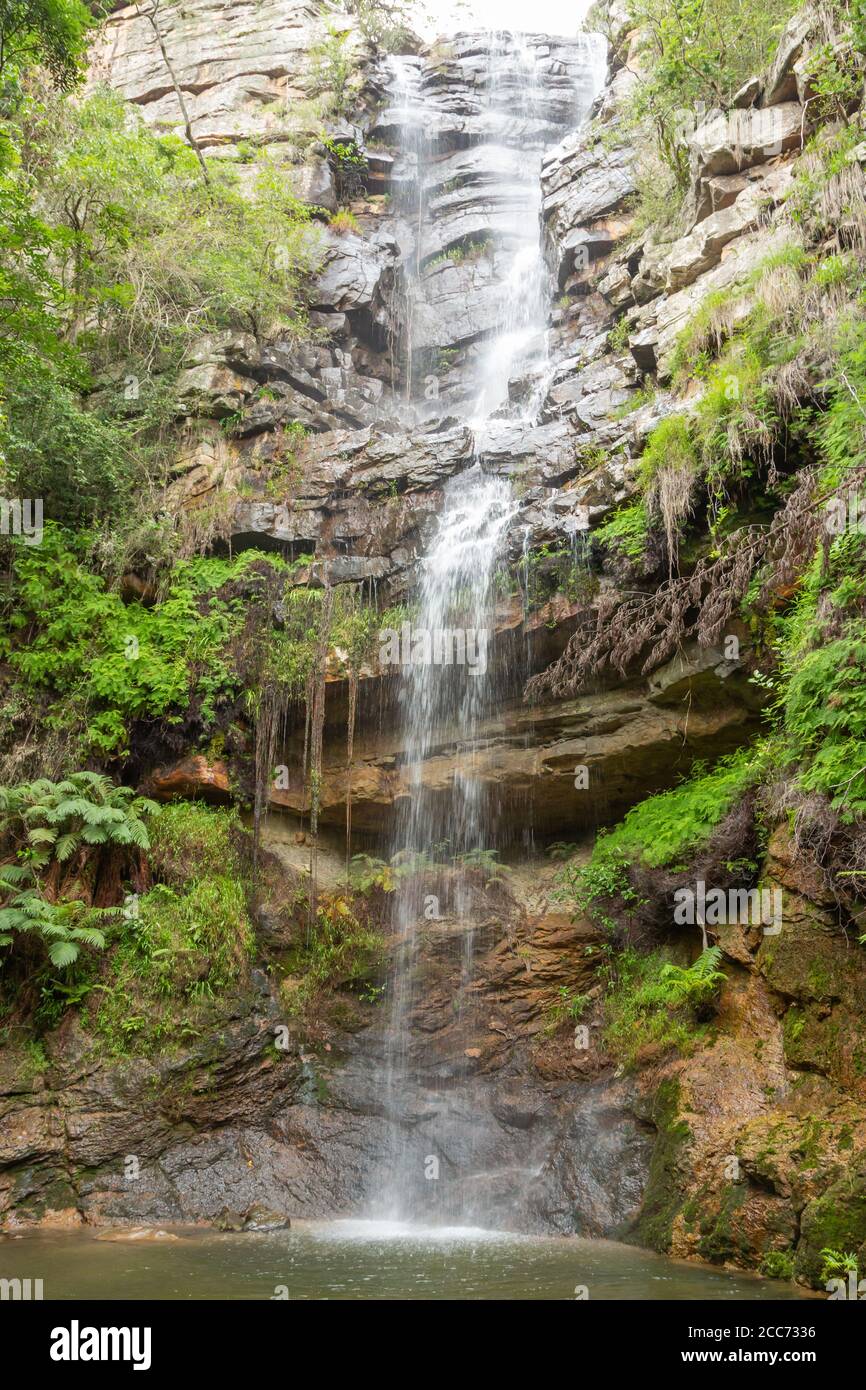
605 876
45 820
71 636
669 446
664 828
697 53
617 338
147 248
838 1263
349 164
192 842
568 1007
63 926
655 1005
332 68
627 531
483 861
819 643
367 872
114 257
385 24
555 569
778 1264
835 75
696 984
462 251
343 222
343 952
189 941
51 32
825 715
98 663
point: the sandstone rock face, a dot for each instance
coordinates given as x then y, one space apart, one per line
765 1130
735 140
630 741
240 66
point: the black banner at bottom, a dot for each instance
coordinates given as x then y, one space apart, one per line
83 1339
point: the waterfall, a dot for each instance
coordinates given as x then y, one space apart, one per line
444 824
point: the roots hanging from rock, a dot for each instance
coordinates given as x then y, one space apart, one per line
651 629
316 726
270 721
350 748
671 496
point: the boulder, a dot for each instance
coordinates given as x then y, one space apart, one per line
781 84
351 273
213 390
728 142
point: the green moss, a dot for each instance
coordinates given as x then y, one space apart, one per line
719 1239
662 1198
836 1221
778 1264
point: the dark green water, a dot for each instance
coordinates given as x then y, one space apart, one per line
363 1260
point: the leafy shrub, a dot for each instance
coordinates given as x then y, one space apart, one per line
664 828
46 820
63 926
694 58
342 952
187 943
343 222
654 1004
778 1264
626 531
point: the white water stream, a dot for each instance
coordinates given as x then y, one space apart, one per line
445 817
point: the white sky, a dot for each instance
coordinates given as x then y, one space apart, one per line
534 16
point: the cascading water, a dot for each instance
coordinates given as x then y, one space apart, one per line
447 690
520 337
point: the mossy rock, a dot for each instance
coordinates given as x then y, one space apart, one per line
663 1197
805 962
834 1221
719 1239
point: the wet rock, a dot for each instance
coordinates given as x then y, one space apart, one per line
261 1218
137 1235
665 317
666 270
229 1221
352 272
314 185
581 184
834 1221
748 94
